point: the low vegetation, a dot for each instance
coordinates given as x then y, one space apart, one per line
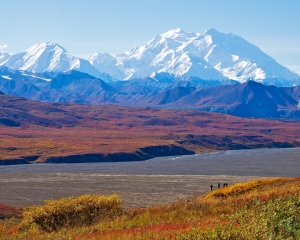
7 211
261 209
71 212
62 129
274 219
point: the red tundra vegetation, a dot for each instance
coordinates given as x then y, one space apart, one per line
36 131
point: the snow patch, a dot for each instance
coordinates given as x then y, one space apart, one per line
209 53
235 58
6 77
45 79
129 73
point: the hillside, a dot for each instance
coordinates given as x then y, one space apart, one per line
260 209
64 132
250 99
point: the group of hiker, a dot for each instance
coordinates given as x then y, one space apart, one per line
219 185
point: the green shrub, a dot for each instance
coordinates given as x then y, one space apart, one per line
71 212
275 219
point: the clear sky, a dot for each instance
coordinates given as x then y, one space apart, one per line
114 26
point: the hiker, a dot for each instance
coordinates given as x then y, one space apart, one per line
211 187
219 185
224 184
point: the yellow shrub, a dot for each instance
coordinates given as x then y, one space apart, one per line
242 188
71 212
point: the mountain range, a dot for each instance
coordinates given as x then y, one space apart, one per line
212 72
210 56
249 99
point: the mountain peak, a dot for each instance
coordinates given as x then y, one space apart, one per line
210 55
45 45
212 31
216 34
173 33
49 57
52 44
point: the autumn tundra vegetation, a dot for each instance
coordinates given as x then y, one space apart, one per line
259 209
33 132
40 132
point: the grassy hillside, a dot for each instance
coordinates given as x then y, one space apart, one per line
36 130
261 209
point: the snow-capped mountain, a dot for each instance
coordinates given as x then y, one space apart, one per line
104 62
163 54
210 55
48 57
240 60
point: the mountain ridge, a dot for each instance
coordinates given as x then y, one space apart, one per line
221 56
250 99
49 57
211 55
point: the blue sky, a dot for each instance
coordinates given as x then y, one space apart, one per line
114 26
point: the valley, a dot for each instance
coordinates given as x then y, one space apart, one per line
149 120
157 181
